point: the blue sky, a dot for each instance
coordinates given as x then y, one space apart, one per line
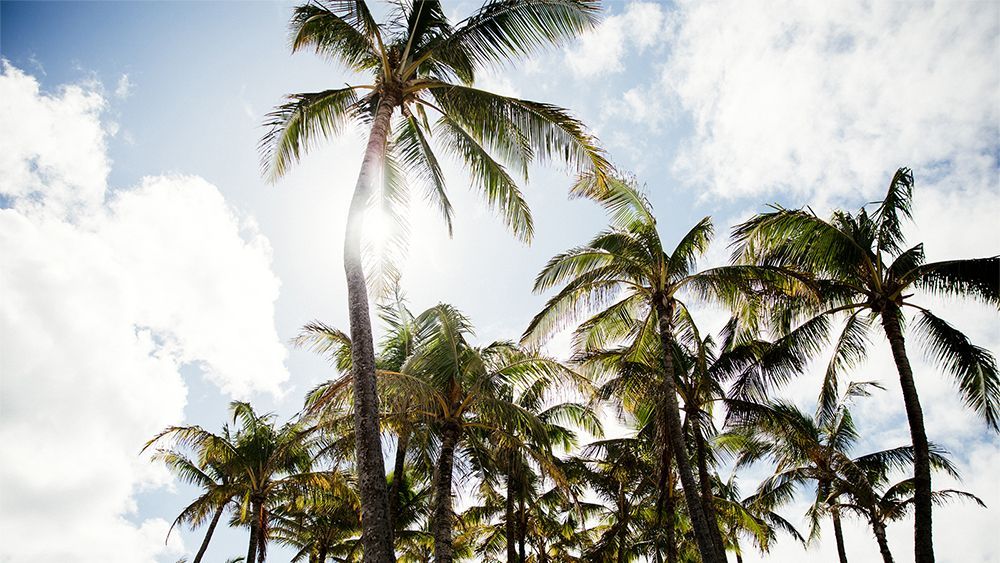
719 108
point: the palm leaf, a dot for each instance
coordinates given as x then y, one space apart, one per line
295 125
974 368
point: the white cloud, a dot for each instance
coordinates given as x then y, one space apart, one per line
106 295
600 52
828 99
124 88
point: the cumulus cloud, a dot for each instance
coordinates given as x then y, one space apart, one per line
600 51
827 99
106 296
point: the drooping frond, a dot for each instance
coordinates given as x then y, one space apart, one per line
327 341
547 132
303 119
978 278
503 29
417 156
316 26
849 350
974 368
498 188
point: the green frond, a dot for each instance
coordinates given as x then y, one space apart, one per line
893 209
621 197
294 126
685 255
544 131
327 341
505 29
974 368
849 350
489 176
316 26
417 156
978 278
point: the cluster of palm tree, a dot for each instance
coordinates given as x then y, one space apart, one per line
516 436
500 426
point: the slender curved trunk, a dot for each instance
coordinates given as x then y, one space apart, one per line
322 554
376 536
665 506
883 543
705 482
622 523
398 477
838 534
441 511
208 535
510 523
252 548
923 541
699 522
522 531
262 533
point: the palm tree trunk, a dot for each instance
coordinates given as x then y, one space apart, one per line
441 512
509 523
376 536
838 534
398 477
705 481
261 533
699 522
322 554
522 532
252 548
208 535
923 541
665 508
622 523
883 543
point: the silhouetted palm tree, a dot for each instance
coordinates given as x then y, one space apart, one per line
864 270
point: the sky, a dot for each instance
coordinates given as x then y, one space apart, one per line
148 275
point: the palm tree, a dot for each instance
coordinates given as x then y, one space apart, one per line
420 65
741 516
813 449
635 284
864 270
460 388
515 461
203 471
267 466
879 503
618 472
320 526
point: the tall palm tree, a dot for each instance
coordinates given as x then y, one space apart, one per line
514 462
879 503
864 270
814 449
267 466
460 388
418 64
626 275
202 470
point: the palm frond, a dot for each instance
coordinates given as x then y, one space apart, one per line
499 189
316 26
503 29
978 278
295 125
974 368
